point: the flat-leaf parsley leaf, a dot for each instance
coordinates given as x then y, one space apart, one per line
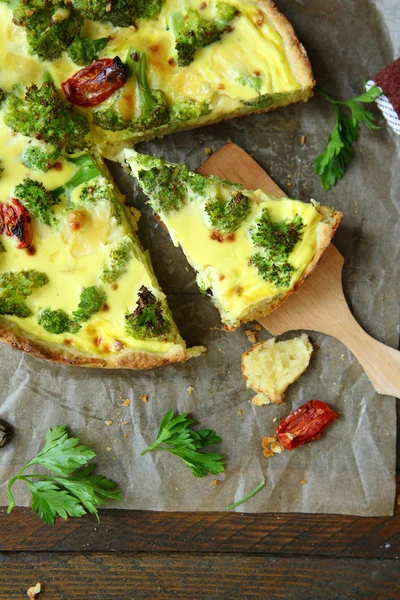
71 492
176 436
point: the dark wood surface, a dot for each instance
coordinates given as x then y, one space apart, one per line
223 556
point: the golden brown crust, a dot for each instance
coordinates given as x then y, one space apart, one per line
325 233
130 359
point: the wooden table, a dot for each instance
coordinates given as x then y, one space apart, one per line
199 556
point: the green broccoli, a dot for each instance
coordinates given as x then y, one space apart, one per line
36 199
2 95
193 32
87 171
119 257
102 191
252 81
50 26
149 319
185 110
15 287
228 216
277 239
38 155
43 115
83 51
120 13
153 105
109 117
148 9
265 100
57 321
91 301
2 248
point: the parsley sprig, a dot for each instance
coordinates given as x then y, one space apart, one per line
176 436
71 492
331 163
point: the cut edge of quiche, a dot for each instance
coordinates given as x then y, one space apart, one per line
250 250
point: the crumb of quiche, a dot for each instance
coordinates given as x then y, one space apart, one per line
303 139
267 452
34 591
126 402
267 440
303 482
258 327
215 482
251 335
144 397
239 412
190 390
208 151
277 448
108 422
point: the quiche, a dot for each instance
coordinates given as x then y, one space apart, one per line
137 70
250 250
76 286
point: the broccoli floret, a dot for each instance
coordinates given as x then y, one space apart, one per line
252 81
15 287
227 216
225 13
36 199
149 319
2 95
277 240
120 13
43 115
87 171
187 109
2 248
57 321
119 257
38 155
110 117
50 25
82 51
91 301
193 32
148 9
265 100
153 107
102 191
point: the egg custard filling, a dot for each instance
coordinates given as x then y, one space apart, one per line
249 249
173 65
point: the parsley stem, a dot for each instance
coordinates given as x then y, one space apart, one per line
11 500
257 489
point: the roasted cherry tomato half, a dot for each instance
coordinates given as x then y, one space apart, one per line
15 222
92 85
306 424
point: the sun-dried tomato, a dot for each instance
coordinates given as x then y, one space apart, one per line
93 84
306 424
15 222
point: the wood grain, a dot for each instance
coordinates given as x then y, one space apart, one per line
319 304
139 531
223 577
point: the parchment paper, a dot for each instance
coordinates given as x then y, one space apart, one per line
351 469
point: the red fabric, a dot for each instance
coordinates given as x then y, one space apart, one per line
389 80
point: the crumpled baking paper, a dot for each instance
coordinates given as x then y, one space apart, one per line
351 468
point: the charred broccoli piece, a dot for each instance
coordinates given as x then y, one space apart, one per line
15 287
149 319
193 32
185 110
119 257
91 301
36 199
228 216
57 321
41 114
83 51
120 13
38 155
276 239
153 105
50 26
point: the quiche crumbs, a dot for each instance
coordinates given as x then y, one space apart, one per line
144 397
108 423
190 390
271 446
251 335
34 591
208 151
215 482
126 402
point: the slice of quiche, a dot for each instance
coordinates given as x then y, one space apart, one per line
140 70
250 250
75 285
